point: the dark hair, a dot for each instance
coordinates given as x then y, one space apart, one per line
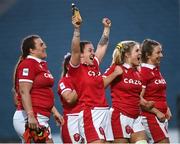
27 44
67 58
147 48
82 45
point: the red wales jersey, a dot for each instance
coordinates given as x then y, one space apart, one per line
155 86
89 84
35 71
66 84
125 90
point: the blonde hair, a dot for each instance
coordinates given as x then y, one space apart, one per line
118 56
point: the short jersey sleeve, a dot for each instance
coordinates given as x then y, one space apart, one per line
64 85
109 70
145 76
27 71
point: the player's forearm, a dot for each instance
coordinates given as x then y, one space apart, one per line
26 101
76 41
103 44
142 93
54 110
72 97
75 47
154 110
105 37
108 79
24 89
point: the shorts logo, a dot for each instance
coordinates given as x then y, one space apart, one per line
76 137
101 130
25 72
129 130
82 140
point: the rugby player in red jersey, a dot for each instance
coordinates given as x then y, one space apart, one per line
71 106
125 90
33 84
95 125
155 119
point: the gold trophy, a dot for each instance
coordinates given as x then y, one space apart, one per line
76 14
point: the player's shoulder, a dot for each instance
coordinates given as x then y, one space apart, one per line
29 62
66 79
145 69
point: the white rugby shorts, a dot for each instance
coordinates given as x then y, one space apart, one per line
123 126
95 124
20 119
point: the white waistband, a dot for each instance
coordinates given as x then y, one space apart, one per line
73 114
100 108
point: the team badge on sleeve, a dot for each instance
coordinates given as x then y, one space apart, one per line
25 71
62 86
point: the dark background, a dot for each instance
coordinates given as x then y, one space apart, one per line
51 19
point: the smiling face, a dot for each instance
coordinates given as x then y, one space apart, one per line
40 49
156 56
151 52
134 56
88 54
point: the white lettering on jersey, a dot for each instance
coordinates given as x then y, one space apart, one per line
47 75
25 72
92 73
62 86
160 81
131 81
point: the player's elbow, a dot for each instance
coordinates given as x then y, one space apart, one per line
71 101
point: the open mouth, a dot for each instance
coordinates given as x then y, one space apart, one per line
92 57
158 60
138 58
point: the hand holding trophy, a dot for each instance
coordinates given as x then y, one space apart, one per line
76 17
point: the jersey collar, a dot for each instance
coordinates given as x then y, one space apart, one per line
35 58
127 66
148 65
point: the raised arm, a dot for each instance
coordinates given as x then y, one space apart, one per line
103 43
75 45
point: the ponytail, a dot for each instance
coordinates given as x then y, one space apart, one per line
14 74
121 48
